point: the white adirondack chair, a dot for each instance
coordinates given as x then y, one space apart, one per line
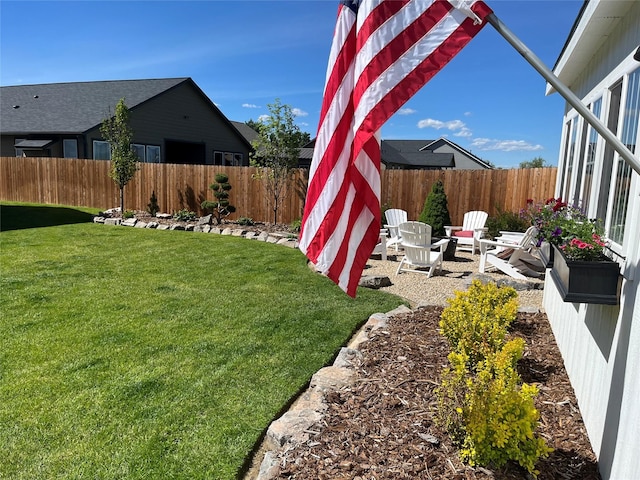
514 259
419 256
470 232
394 217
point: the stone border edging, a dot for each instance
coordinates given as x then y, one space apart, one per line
292 428
280 238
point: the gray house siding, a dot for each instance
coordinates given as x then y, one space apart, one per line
180 115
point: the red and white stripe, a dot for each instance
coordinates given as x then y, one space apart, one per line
379 59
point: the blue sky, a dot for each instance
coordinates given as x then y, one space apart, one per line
244 54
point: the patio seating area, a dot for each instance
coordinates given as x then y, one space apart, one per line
455 275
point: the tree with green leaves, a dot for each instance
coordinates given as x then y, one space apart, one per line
436 210
276 152
537 162
124 162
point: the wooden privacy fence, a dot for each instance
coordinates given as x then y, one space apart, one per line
79 182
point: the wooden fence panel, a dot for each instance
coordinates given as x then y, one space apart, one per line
86 183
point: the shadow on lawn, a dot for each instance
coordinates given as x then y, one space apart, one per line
17 217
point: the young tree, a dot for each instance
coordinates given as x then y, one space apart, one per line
124 162
537 162
276 151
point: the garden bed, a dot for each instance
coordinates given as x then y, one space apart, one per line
383 428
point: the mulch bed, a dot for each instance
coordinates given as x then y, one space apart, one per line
382 427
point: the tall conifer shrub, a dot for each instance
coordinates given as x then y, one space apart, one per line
436 211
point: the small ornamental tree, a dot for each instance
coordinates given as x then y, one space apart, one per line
436 211
124 162
276 152
220 207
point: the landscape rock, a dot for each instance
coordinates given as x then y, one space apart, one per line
176 226
98 219
331 378
163 226
112 221
129 222
347 358
140 225
291 427
164 216
152 225
375 282
206 220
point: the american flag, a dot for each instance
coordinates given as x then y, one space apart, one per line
383 52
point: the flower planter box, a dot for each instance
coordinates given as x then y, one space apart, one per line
581 281
546 254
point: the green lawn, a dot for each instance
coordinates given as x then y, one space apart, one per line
133 353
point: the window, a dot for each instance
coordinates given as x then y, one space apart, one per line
629 135
70 148
153 154
591 157
139 151
571 153
101 150
607 162
20 151
217 158
237 159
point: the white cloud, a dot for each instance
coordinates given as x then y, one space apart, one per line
406 111
487 144
467 114
250 105
298 112
458 127
452 125
464 132
263 118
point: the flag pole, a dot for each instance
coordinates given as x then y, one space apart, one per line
563 90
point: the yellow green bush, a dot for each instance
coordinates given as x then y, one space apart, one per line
482 402
476 320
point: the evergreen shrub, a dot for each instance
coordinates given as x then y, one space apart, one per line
436 211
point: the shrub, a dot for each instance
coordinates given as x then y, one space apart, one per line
482 403
507 221
246 221
475 322
499 414
152 206
128 214
296 225
221 208
435 211
184 215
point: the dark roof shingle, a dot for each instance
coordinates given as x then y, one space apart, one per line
72 107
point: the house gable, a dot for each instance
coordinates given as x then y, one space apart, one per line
428 154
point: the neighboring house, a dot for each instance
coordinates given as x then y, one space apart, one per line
600 344
415 155
172 120
428 155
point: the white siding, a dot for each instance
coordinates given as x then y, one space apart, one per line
600 344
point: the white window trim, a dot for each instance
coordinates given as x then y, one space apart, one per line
602 89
